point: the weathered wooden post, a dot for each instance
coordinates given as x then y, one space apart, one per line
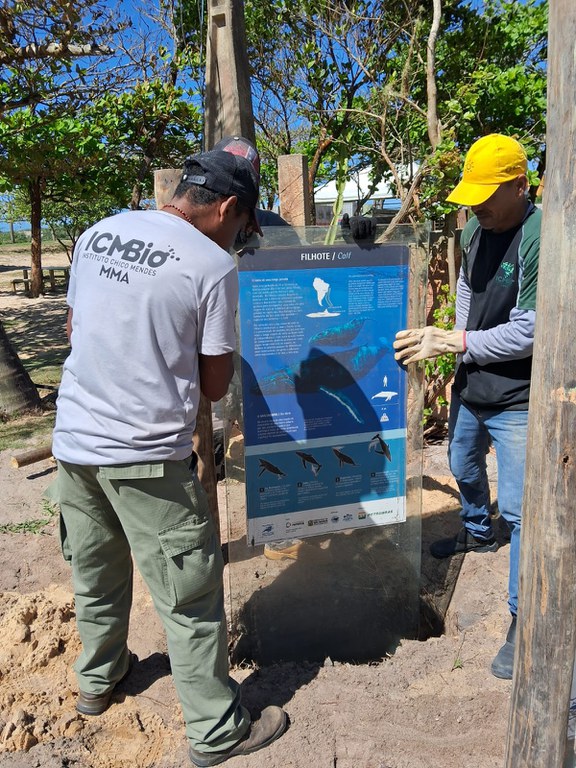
228 104
547 611
227 112
293 189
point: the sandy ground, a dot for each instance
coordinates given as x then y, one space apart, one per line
430 704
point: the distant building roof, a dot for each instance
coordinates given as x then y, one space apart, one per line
357 188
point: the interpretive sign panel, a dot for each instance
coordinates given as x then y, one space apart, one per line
324 400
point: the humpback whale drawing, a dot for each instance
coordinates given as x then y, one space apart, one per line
343 458
386 394
307 458
329 374
320 371
378 443
338 335
266 466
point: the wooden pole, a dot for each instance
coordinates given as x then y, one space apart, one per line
228 106
165 183
293 190
546 641
227 112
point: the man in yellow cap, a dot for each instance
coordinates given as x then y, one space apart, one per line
493 338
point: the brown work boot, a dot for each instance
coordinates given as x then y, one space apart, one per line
272 724
97 703
93 703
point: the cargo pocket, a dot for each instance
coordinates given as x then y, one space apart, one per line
193 560
64 543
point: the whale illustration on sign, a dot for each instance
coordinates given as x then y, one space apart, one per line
325 373
343 458
266 466
386 395
336 371
307 458
378 445
338 335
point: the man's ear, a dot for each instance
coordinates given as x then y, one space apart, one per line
227 206
522 185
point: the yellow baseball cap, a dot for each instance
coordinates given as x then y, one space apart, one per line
490 161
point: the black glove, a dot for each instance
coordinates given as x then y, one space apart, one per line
362 227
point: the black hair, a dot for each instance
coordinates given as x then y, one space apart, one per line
196 194
200 196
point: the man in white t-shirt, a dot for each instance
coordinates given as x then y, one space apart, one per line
152 301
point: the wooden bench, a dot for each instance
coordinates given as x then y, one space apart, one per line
53 276
25 281
56 273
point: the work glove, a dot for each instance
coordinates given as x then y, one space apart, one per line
420 343
361 227
245 238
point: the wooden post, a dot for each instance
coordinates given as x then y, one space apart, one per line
165 182
227 112
546 640
293 190
228 107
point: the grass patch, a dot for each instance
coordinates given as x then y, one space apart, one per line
23 245
48 375
19 430
33 526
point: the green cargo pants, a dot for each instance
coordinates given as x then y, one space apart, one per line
159 513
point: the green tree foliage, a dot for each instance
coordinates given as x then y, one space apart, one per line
49 51
43 152
154 123
501 88
313 68
330 69
72 129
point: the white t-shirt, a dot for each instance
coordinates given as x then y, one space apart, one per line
148 292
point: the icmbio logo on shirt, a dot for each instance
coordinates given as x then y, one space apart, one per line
134 251
505 274
118 258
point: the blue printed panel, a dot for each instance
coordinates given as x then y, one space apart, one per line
318 371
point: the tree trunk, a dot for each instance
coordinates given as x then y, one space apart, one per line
17 391
434 127
35 190
323 144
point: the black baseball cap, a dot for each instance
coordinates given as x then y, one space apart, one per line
228 173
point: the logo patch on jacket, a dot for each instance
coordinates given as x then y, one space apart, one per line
505 274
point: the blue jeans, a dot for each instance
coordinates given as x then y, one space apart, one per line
470 431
